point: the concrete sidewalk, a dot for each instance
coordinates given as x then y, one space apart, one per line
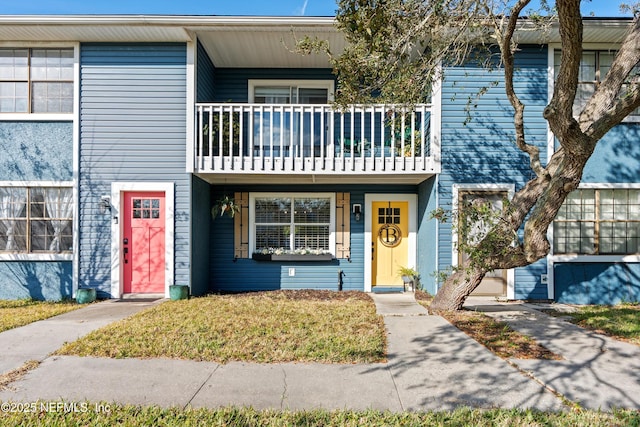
597 372
37 340
431 365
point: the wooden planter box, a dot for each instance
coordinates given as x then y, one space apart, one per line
292 257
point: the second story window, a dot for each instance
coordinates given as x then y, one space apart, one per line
594 66
290 95
291 91
36 80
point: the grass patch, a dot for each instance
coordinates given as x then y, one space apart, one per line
498 336
265 327
22 312
423 298
114 414
621 321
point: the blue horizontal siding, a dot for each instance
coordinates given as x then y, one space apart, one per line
38 280
205 76
427 242
529 282
200 232
227 274
597 283
482 151
36 151
133 128
616 157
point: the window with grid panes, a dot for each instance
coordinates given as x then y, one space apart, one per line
594 66
36 80
36 219
598 222
292 223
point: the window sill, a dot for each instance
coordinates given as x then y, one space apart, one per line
292 257
8 256
594 258
36 117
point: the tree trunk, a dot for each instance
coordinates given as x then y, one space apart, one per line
458 286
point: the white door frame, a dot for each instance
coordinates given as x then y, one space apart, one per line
117 228
368 239
456 189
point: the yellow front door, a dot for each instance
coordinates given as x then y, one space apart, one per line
389 242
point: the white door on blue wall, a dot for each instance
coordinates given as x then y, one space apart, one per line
494 282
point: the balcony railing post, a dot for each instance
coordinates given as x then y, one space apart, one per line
312 134
382 141
271 136
210 137
393 138
282 138
241 136
261 139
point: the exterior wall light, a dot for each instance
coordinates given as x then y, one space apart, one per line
357 211
104 204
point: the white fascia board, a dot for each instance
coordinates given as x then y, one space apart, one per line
165 20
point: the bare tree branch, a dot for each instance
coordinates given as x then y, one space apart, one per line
506 50
606 108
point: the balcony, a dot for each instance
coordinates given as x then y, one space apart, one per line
235 141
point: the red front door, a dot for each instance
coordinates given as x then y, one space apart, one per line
143 242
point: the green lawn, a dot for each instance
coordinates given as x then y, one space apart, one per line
22 312
620 321
267 327
103 414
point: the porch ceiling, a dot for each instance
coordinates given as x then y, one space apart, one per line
260 179
267 46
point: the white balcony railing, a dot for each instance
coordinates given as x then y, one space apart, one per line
256 138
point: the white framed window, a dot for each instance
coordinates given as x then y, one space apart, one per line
598 221
594 66
291 91
36 219
292 222
36 80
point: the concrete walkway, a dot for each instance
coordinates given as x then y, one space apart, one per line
36 340
431 365
597 372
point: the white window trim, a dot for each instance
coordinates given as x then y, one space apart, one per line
551 82
553 259
47 117
456 189
307 84
552 47
40 256
368 238
117 193
252 207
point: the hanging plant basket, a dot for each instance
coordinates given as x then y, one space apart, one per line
225 205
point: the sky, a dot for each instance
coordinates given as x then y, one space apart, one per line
599 8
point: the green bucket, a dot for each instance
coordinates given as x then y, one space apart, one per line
178 292
85 295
